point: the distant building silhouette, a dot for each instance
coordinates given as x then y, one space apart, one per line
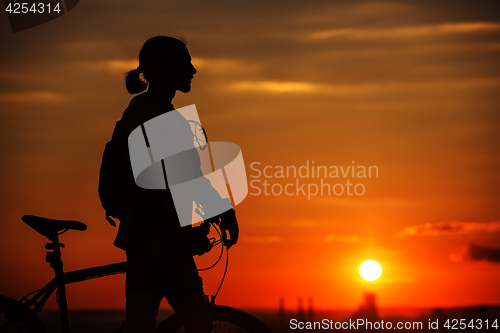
310 310
282 310
367 310
300 310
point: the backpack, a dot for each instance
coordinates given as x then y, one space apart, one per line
115 177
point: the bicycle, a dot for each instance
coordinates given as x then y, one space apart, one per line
21 316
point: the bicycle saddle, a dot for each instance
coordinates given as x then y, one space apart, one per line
50 227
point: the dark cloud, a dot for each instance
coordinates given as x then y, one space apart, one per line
478 252
449 228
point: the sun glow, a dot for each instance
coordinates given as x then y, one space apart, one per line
370 270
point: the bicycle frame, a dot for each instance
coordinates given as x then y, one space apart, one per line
62 278
53 257
22 314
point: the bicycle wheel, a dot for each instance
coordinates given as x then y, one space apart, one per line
13 315
226 320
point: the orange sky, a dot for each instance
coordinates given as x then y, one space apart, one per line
409 88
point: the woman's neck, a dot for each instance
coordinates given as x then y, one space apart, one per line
166 94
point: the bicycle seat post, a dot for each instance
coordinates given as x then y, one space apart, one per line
53 257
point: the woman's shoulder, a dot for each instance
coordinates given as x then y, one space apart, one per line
140 109
141 102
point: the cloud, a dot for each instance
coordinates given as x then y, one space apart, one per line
275 86
261 239
449 228
118 65
417 31
31 97
397 88
476 253
342 238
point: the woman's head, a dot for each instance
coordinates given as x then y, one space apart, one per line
163 61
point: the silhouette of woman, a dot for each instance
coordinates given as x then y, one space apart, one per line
158 262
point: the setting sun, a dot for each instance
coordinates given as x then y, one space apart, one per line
370 270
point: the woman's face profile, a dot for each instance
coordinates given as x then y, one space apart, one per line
178 71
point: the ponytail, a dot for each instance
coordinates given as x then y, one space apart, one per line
134 83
